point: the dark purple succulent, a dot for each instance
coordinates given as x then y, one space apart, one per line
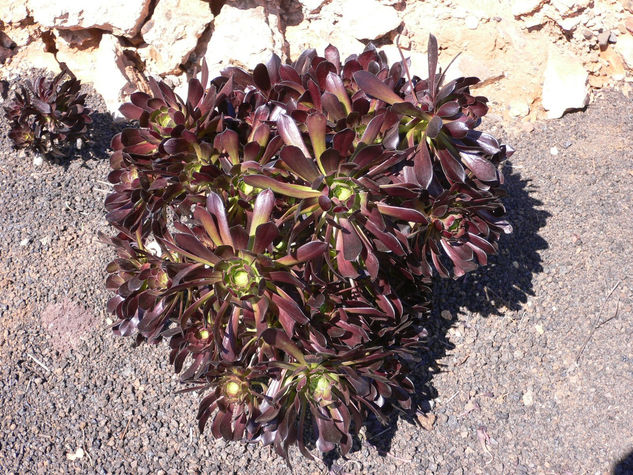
48 115
280 229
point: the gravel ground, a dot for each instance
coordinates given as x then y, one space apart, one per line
531 361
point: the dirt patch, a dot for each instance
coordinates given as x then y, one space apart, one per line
66 322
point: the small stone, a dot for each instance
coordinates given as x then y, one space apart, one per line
539 328
446 315
553 151
472 22
613 37
628 24
603 39
518 109
24 242
38 160
565 84
627 5
427 421
79 454
528 398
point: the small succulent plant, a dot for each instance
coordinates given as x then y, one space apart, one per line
48 114
280 228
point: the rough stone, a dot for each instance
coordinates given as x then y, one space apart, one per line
104 66
603 39
565 84
525 7
376 19
518 109
235 46
171 36
33 56
628 24
13 11
121 17
569 24
624 47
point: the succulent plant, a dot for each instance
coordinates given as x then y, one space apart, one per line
281 228
48 114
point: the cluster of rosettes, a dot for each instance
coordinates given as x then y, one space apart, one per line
281 227
48 115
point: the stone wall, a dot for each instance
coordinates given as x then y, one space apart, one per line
536 58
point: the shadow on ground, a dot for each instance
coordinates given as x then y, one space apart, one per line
97 144
504 284
624 466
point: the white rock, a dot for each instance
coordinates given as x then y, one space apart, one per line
38 160
565 84
251 43
13 11
365 19
624 47
311 5
553 151
121 17
110 78
528 398
170 36
104 67
525 7
569 24
472 22
518 109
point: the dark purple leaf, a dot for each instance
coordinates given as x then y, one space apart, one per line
298 163
290 133
287 189
374 87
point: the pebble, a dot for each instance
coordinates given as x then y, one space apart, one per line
528 398
553 151
518 109
38 160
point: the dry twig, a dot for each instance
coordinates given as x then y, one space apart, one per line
597 323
